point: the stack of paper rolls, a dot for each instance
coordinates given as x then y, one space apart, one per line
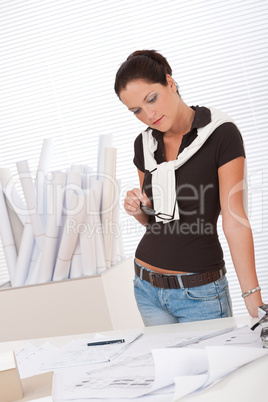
63 228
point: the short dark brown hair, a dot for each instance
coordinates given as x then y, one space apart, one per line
148 65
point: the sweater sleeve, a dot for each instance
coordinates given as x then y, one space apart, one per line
229 144
138 153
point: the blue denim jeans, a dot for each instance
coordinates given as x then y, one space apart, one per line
167 306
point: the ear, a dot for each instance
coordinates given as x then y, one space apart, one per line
171 83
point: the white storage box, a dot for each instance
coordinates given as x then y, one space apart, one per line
72 306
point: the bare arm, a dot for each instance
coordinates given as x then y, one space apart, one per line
132 202
237 230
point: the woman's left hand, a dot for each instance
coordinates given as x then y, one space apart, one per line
252 303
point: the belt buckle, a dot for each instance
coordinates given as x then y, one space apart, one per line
151 277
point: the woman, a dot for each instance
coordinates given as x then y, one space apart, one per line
190 163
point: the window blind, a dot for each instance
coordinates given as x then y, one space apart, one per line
58 62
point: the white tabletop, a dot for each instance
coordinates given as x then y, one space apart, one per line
246 384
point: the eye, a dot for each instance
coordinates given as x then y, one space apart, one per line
152 99
136 111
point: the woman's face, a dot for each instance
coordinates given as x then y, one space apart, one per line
154 104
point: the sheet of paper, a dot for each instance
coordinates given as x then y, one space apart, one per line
165 340
186 385
32 363
128 378
222 360
164 395
170 363
225 353
134 375
137 374
131 377
78 353
25 352
243 336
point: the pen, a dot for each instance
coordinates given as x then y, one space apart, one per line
106 342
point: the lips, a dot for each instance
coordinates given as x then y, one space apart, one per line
158 121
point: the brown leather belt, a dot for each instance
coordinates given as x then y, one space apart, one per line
171 281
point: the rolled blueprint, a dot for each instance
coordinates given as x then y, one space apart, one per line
40 178
105 141
54 221
76 270
88 178
77 169
98 233
74 180
95 226
15 208
108 201
117 240
33 267
16 202
97 185
24 255
29 192
73 186
45 157
69 238
87 237
7 238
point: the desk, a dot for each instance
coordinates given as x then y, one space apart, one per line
246 384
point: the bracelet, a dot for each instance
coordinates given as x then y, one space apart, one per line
249 292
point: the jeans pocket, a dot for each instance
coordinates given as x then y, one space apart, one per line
211 298
136 281
206 292
201 297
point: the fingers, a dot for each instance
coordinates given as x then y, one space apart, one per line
132 201
146 201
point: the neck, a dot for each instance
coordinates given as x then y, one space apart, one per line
183 122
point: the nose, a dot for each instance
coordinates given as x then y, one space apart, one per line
150 113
